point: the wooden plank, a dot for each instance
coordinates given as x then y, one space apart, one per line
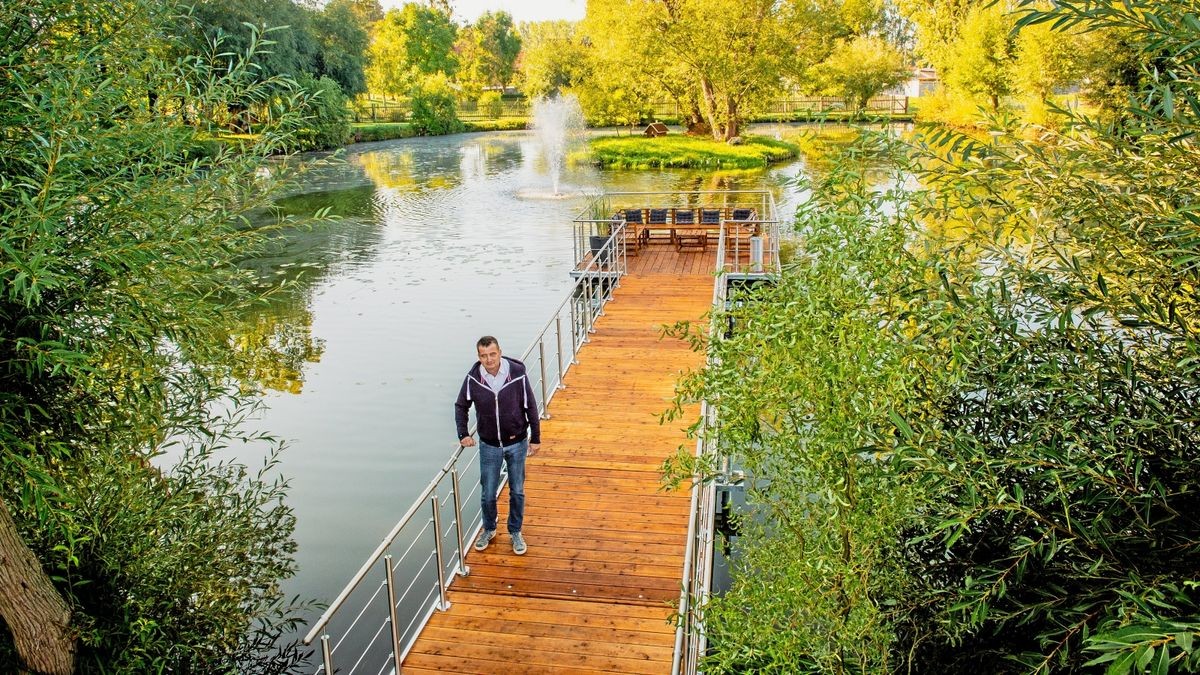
553 625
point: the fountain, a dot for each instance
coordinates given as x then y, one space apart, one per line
558 123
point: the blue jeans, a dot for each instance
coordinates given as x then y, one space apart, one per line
490 458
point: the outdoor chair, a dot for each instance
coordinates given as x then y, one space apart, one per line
686 232
635 228
658 227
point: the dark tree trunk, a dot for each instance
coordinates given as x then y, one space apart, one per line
732 124
696 124
37 616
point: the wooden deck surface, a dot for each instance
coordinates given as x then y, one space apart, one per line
606 546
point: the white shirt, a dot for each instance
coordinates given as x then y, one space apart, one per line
495 382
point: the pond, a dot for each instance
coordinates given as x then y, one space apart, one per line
437 242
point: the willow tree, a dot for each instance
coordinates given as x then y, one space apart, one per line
121 226
729 54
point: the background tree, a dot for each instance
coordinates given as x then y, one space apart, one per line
982 57
121 226
554 58
1109 69
368 11
408 44
861 68
623 65
342 34
719 57
736 51
936 26
495 45
291 51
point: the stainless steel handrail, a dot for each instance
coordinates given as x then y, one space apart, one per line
690 637
689 633
594 288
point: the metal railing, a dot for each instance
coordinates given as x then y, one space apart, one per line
747 245
372 626
691 640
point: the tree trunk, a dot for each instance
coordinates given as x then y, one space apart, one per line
710 106
37 616
732 123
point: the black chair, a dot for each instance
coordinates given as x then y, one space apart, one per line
658 227
635 228
686 232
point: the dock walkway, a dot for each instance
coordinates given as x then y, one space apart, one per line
606 545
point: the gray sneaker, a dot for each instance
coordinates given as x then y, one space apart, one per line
518 543
485 538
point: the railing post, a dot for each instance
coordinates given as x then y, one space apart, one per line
458 524
599 302
441 565
390 578
624 260
326 654
589 314
574 332
542 365
558 349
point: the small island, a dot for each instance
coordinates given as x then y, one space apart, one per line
681 151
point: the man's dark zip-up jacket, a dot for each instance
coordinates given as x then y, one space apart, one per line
504 416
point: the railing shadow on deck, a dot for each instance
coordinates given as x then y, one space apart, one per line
376 618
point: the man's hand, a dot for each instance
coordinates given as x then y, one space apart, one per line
533 448
466 441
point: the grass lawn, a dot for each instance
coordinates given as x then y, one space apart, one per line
679 151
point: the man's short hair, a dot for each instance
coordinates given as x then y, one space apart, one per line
486 341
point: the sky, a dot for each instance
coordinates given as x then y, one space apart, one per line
521 10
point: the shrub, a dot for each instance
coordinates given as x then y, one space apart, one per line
326 115
434 111
491 104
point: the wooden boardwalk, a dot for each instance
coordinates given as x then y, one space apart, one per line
606 546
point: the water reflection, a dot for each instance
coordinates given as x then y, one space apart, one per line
433 247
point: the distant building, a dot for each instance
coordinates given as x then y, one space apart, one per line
924 81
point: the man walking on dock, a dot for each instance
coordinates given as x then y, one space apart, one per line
509 430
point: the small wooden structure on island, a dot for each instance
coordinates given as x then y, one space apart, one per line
618 571
656 129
